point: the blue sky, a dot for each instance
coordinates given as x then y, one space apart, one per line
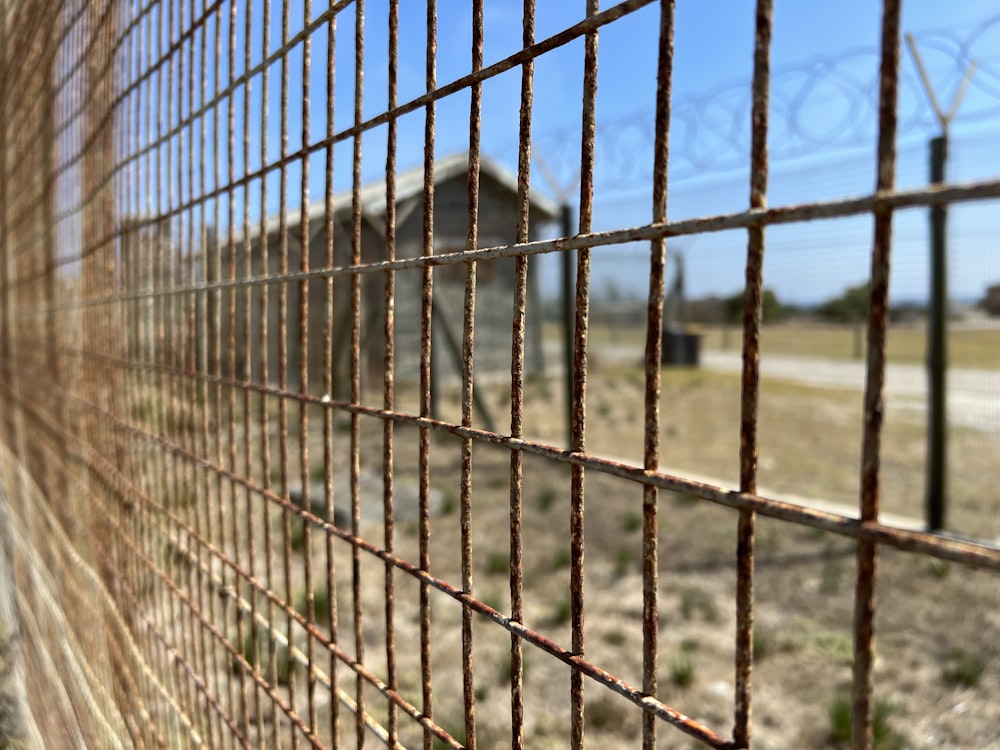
822 139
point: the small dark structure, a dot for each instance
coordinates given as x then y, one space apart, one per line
494 292
991 302
681 345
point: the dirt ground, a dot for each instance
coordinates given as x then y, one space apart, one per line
938 650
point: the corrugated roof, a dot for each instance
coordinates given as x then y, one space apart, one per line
411 183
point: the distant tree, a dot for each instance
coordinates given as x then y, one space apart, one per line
849 307
773 310
991 300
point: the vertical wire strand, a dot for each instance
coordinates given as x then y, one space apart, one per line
579 379
173 270
132 139
154 231
878 316
359 635
161 270
328 377
426 384
58 485
183 313
6 327
468 354
200 440
151 252
517 380
218 493
265 360
153 259
166 264
249 462
235 520
132 394
194 237
304 362
203 510
752 315
389 374
121 129
653 353
286 518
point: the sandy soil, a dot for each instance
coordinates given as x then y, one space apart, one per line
938 667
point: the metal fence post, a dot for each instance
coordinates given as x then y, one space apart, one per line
938 307
937 355
568 296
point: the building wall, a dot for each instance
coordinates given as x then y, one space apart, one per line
495 289
494 286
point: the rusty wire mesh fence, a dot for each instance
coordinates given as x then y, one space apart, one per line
271 464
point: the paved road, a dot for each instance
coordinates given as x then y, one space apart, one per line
973 395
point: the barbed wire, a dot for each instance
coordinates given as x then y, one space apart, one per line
825 103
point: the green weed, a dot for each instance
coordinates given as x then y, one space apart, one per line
684 498
964 668
938 568
546 498
455 729
832 570
562 558
497 563
883 736
689 645
603 715
562 612
256 650
449 504
632 521
297 539
614 637
682 671
506 671
321 603
624 561
696 600
763 646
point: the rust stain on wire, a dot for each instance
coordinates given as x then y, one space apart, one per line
305 472
468 383
578 418
878 319
389 374
328 384
517 385
426 374
355 465
653 356
750 381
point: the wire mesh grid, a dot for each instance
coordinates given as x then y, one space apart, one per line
224 437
